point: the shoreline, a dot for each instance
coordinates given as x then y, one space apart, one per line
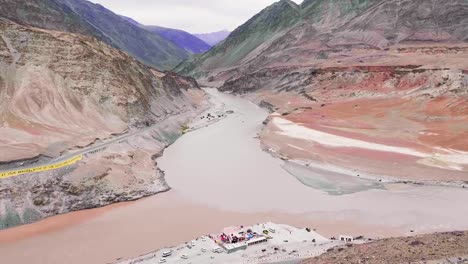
333 168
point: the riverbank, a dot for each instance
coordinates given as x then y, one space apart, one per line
317 151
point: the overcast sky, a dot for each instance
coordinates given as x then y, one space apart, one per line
195 16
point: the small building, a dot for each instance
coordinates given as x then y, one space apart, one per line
257 240
347 239
234 247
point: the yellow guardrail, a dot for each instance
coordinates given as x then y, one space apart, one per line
8 174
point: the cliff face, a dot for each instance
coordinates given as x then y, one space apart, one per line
387 80
60 92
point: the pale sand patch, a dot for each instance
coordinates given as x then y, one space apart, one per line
444 158
292 129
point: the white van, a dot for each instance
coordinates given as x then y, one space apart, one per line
217 250
167 253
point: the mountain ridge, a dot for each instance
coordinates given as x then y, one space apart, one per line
180 38
338 23
249 36
83 17
213 38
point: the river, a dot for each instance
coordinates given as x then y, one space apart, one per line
221 177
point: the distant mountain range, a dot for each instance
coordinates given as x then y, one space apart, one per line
213 38
181 38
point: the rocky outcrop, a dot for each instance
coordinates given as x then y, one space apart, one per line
61 93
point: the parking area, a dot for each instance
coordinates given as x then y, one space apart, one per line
260 243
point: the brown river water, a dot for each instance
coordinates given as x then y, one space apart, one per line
221 177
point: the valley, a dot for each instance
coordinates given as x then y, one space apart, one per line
195 206
317 131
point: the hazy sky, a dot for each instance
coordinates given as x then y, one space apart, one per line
195 16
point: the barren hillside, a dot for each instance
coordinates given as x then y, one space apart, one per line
432 249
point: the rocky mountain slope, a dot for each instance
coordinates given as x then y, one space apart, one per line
61 92
213 38
435 248
182 39
83 17
245 39
377 89
310 29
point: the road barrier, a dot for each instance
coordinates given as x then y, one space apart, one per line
71 161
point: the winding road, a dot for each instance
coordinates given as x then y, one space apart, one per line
75 156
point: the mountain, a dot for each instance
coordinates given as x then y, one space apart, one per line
182 39
286 26
83 17
246 38
387 79
62 93
213 38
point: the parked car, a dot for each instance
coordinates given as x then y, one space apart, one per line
217 250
